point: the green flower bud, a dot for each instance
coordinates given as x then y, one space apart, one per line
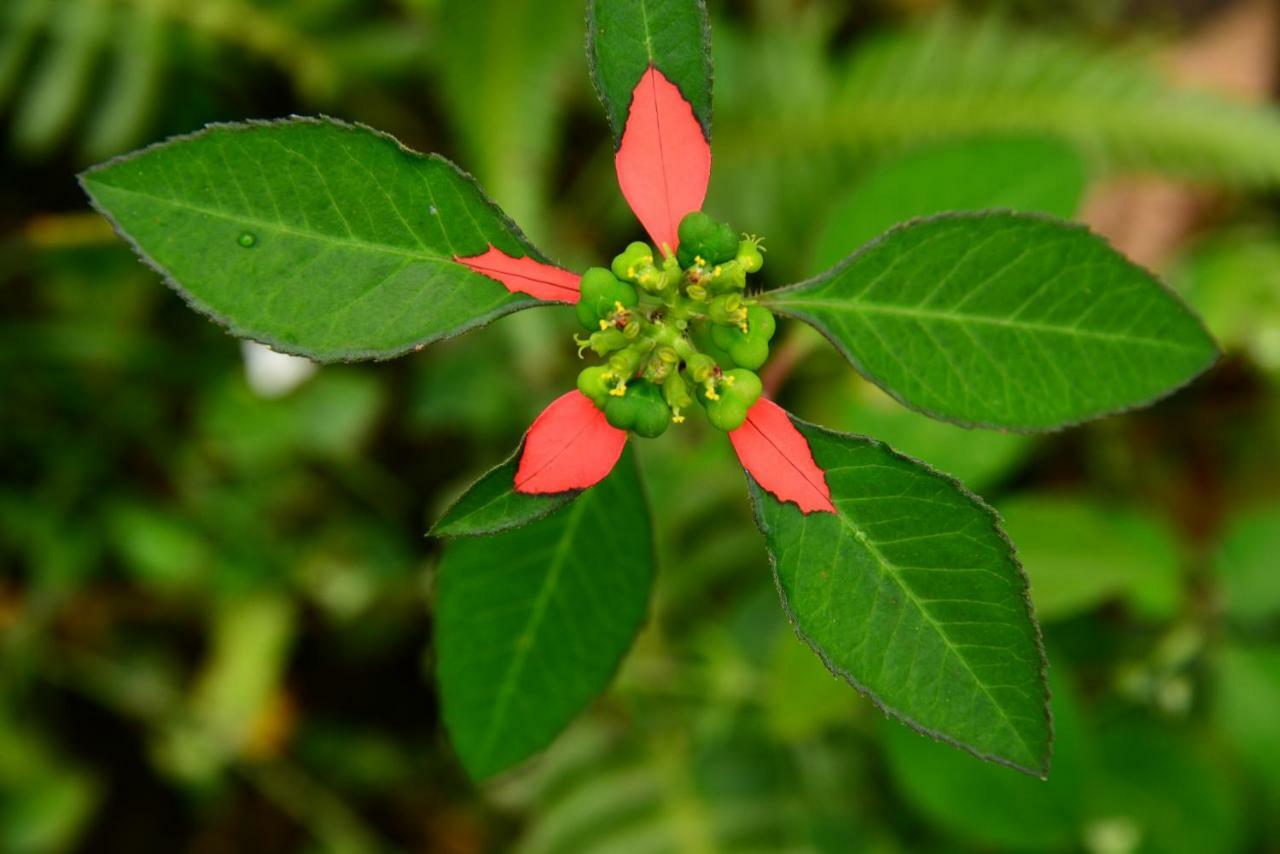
606 341
628 265
641 409
750 254
749 353
676 392
727 309
703 237
735 392
701 367
726 277
623 364
595 382
727 415
600 296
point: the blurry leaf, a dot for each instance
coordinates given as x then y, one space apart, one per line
329 417
911 589
1002 320
801 696
532 623
955 78
45 804
62 78
627 37
1163 785
503 63
159 548
1029 175
1247 562
320 239
446 380
125 108
976 458
1079 554
682 791
993 807
492 504
249 647
1245 701
1233 280
47 813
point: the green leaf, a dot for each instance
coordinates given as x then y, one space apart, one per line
1245 564
318 238
1244 708
976 458
532 623
492 505
1080 554
502 59
1233 280
988 806
1026 174
912 593
625 37
1003 320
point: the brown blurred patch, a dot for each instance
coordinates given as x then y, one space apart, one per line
1235 54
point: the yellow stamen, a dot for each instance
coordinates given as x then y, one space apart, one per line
619 390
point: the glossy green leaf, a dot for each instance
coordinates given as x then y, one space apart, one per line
532 623
492 505
1003 320
1079 554
625 37
912 593
319 238
1246 565
1027 174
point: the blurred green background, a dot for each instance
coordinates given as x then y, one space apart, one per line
215 592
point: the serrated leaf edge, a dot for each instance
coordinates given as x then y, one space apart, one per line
757 492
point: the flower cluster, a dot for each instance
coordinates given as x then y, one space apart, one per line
676 330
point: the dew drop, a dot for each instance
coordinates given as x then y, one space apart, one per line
247 239
433 210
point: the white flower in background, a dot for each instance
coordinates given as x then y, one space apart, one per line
272 374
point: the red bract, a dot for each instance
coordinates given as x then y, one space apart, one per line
664 165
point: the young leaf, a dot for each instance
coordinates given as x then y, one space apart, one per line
664 161
532 623
571 445
627 37
1023 173
1003 320
911 592
778 458
319 238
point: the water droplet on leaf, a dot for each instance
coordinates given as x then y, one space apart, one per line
248 239
433 210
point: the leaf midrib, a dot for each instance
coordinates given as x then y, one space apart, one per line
980 319
271 225
892 570
506 691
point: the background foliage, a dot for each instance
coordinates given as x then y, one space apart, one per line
215 593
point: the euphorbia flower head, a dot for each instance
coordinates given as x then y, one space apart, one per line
663 163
